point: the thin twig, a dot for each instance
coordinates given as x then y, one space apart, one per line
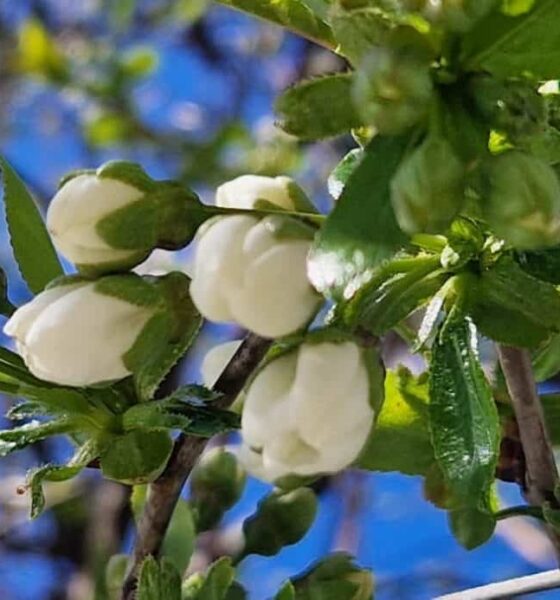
541 472
164 493
512 588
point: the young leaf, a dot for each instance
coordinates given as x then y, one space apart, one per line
286 592
20 437
401 440
546 360
341 173
361 232
511 46
464 420
511 307
291 14
35 478
217 581
179 541
318 108
136 457
158 580
32 246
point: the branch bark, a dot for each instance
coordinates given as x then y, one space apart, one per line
541 471
166 490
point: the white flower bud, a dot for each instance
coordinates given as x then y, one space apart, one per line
244 274
112 218
77 208
75 335
307 412
245 191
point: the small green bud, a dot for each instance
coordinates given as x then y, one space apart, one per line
217 483
337 574
513 107
281 519
428 190
393 87
521 200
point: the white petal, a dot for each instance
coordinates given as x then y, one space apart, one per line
243 192
216 360
80 339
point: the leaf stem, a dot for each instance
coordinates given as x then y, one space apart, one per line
519 511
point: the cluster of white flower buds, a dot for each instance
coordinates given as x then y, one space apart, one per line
250 268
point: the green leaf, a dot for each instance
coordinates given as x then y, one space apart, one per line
542 264
217 581
401 440
35 431
291 14
6 307
136 457
511 46
546 360
32 246
471 527
361 232
158 580
318 108
379 308
511 307
179 541
342 172
357 31
35 478
464 420
551 407
286 592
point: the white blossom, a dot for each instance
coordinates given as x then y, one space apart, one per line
307 412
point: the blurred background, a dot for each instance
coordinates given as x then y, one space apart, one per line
186 87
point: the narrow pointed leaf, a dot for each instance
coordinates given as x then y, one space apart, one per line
158 580
20 437
32 246
464 419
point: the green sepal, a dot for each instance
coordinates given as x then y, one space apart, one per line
127 172
136 457
165 337
318 108
463 416
281 519
158 580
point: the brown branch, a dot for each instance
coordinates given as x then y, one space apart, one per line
164 493
541 471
